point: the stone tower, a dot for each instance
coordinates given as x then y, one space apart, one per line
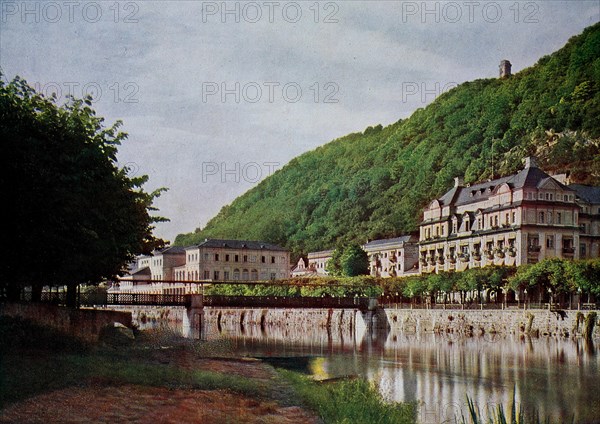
505 67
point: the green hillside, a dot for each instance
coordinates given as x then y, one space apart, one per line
374 184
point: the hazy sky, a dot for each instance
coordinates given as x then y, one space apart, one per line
217 95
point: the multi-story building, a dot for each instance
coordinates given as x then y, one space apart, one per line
164 262
225 260
588 199
514 220
393 257
317 261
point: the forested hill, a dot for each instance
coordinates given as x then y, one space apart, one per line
375 184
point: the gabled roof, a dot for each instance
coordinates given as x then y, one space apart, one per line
587 193
238 244
320 254
171 250
384 242
140 271
531 177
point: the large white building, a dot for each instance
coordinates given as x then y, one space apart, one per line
174 269
514 220
394 257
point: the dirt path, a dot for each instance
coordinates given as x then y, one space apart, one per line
96 403
139 404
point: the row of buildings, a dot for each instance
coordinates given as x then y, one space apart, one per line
514 220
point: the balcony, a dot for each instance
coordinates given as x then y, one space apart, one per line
512 252
489 254
451 258
477 256
499 252
568 250
534 248
439 260
464 257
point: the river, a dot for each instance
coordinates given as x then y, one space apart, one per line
558 378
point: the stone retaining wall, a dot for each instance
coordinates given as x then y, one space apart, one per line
84 324
287 324
474 322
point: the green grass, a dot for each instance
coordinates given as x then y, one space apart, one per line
353 401
35 360
516 415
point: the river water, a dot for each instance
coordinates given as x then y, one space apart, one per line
559 378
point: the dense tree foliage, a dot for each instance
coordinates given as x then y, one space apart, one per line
564 277
349 261
73 215
375 184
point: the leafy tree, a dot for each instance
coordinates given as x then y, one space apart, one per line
74 215
354 261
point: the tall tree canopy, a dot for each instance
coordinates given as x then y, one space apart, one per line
74 216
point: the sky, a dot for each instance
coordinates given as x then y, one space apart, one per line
216 96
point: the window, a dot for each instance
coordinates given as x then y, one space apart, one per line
226 275
245 275
206 274
245 258
263 259
541 218
479 223
236 258
534 240
506 219
454 226
206 256
226 258
272 259
558 218
582 250
254 275
514 217
549 242
216 275
273 276
236 274
216 257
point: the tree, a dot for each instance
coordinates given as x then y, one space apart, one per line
74 216
354 261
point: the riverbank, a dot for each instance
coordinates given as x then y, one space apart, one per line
159 377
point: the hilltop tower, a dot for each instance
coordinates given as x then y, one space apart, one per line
505 67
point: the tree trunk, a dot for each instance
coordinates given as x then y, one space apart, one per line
13 292
71 301
36 293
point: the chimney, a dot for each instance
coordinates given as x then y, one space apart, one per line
530 162
505 69
458 181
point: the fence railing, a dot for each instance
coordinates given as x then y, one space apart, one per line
287 302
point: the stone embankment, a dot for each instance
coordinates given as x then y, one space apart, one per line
565 323
300 324
85 324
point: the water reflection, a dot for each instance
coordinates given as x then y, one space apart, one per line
557 377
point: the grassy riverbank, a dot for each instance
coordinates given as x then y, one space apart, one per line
36 362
